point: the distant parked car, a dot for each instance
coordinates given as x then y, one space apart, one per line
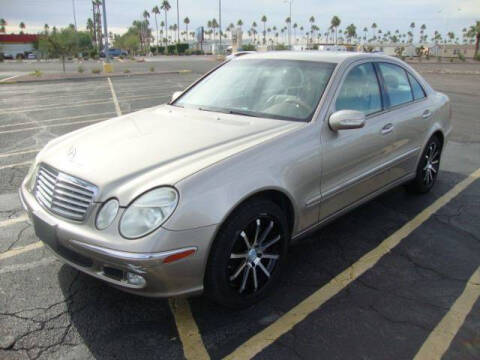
31 56
114 53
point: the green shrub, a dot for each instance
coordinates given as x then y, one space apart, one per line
126 71
37 73
280 47
171 49
451 60
249 47
96 71
152 69
461 57
439 58
477 57
80 69
181 48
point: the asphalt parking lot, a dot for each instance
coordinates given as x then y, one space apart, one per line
393 279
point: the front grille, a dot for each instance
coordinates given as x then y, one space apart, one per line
63 194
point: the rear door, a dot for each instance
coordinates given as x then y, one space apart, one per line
409 111
354 160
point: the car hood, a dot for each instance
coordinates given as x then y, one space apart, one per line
128 155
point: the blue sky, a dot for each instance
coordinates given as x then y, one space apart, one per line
388 14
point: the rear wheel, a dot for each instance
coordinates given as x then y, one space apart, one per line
428 167
246 259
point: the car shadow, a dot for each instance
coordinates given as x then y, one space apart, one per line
117 325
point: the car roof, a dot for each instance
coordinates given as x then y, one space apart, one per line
320 56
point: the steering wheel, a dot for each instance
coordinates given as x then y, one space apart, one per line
297 101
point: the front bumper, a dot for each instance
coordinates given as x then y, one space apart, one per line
85 250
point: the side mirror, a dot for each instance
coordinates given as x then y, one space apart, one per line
175 95
346 119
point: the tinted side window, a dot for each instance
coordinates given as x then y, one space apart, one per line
396 84
417 89
360 91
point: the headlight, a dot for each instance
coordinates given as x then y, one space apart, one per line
148 212
107 214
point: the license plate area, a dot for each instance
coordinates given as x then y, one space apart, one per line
45 231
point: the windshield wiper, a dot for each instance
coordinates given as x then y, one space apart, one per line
237 112
227 111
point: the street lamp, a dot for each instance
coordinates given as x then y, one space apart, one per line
220 21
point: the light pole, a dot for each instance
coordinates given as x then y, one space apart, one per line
105 49
74 15
178 24
220 21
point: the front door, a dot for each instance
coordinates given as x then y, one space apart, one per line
354 160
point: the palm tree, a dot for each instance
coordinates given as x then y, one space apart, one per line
412 26
22 27
334 24
165 7
365 31
312 22
186 21
46 27
295 25
156 11
451 36
254 30
3 24
264 20
240 23
374 26
146 16
214 26
474 33
351 32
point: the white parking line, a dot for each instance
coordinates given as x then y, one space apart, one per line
4 155
25 163
50 126
28 266
10 78
114 98
13 221
20 250
441 337
77 104
56 119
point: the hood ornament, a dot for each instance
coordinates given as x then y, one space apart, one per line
71 153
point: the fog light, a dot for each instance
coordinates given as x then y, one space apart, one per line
135 279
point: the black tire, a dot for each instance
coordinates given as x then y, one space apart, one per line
252 219
428 167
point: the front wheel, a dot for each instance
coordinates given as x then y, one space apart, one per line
247 256
428 167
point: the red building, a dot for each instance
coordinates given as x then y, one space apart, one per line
17 45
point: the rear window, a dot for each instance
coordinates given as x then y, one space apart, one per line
418 92
396 84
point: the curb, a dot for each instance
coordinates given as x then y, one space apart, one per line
96 77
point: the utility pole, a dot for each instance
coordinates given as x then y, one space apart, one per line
107 55
74 15
220 21
290 27
94 25
178 24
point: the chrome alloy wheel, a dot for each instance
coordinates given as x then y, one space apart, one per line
432 164
254 255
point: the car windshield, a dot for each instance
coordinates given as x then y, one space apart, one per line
276 89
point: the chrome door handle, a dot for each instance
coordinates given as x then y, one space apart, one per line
426 114
387 129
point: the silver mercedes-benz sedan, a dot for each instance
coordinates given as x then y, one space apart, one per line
205 194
